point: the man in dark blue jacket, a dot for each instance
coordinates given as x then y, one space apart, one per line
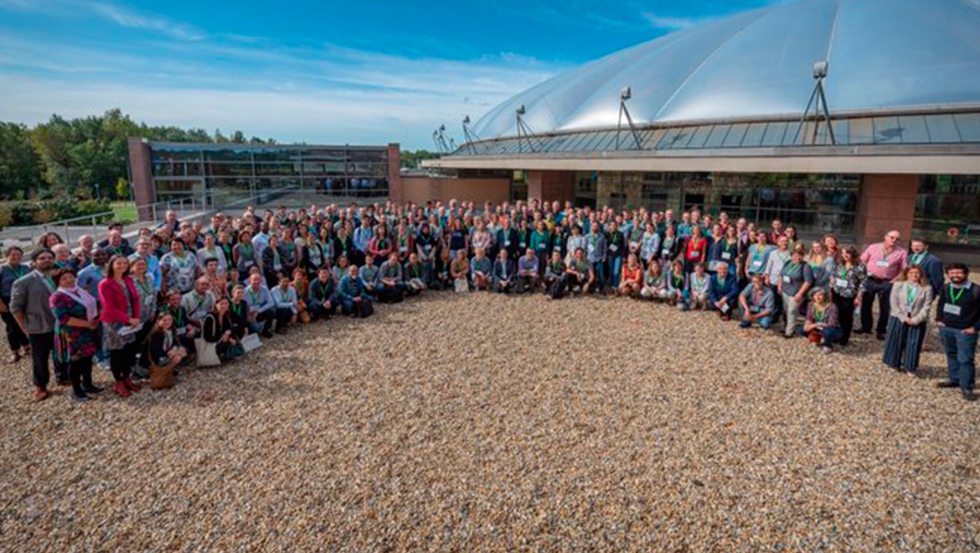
932 267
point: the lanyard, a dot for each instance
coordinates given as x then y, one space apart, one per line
18 271
254 296
145 288
237 309
910 292
177 317
917 258
953 296
819 313
792 269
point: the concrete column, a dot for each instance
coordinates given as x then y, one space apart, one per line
395 191
887 202
144 193
551 186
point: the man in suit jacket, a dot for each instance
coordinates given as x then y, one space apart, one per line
29 303
932 267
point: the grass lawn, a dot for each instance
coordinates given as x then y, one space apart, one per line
124 211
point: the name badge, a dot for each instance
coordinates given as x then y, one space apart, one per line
591 248
182 331
507 243
634 245
755 309
696 254
726 256
757 264
842 283
613 248
952 309
882 263
787 280
523 245
403 249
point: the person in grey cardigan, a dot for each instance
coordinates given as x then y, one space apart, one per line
910 302
29 303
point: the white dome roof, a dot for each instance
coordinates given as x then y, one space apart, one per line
884 55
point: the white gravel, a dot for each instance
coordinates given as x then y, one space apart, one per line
491 423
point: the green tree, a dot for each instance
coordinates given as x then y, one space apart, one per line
20 168
411 160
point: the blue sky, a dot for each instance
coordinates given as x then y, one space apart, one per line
321 72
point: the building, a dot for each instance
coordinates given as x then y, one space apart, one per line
717 116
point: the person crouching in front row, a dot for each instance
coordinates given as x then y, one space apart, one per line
822 326
722 291
758 304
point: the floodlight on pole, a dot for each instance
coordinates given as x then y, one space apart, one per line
470 136
625 95
820 109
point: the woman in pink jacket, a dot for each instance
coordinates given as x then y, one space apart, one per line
120 320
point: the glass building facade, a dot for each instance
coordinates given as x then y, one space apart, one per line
196 170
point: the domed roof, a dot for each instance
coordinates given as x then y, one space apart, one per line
884 55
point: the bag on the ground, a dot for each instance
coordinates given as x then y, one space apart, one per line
462 286
558 288
366 308
162 378
251 342
207 353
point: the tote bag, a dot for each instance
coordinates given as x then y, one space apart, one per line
207 353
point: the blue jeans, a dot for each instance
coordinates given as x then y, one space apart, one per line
764 322
615 271
831 336
961 351
600 274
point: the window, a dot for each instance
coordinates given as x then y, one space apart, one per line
654 197
693 200
948 203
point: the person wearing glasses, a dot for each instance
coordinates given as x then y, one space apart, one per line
885 263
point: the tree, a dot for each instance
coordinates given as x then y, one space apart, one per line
20 168
410 159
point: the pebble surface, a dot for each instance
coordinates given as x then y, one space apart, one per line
487 423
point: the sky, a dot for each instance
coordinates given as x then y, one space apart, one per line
320 72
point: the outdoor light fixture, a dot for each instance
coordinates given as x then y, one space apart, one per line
625 95
470 136
439 138
820 109
523 130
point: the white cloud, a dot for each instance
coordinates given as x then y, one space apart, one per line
668 22
132 20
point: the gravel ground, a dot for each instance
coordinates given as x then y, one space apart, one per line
489 423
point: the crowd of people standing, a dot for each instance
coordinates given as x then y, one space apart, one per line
185 292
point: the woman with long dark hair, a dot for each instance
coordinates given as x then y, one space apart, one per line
121 322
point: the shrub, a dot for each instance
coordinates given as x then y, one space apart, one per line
27 213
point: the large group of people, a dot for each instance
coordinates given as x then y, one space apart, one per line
184 292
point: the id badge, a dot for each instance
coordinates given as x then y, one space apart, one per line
842 283
882 263
634 245
507 244
613 248
696 254
757 264
182 331
952 309
787 280
726 256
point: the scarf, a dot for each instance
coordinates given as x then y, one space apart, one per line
81 296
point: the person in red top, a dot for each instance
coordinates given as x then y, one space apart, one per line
632 278
885 263
120 321
696 250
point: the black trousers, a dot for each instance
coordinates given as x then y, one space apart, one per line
15 336
121 362
283 316
41 347
845 316
882 290
80 374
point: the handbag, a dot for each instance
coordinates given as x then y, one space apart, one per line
207 353
251 342
162 378
462 286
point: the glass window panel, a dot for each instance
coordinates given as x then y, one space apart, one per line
797 135
754 135
668 139
942 129
682 138
840 131
734 137
700 136
717 136
887 130
969 126
774 134
651 141
587 141
556 143
576 143
861 131
606 141
914 130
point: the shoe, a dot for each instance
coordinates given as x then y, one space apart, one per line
132 386
266 334
40 394
912 374
14 356
862 331
744 324
81 398
880 337
92 389
948 384
968 395
122 390
825 349
64 382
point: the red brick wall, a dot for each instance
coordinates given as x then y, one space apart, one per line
550 186
139 164
887 203
421 189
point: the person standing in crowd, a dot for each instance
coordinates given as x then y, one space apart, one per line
617 248
958 317
90 277
144 251
426 246
795 282
120 323
884 262
31 307
595 254
932 267
650 244
722 291
696 250
76 324
845 285
758 304
179 267
503 276
12 270
821 321
321 302
243 254
911 299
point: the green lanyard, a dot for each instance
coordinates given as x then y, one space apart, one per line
953 296
237 310
910 292
819 314
18 271
917 258
792 269
177 317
